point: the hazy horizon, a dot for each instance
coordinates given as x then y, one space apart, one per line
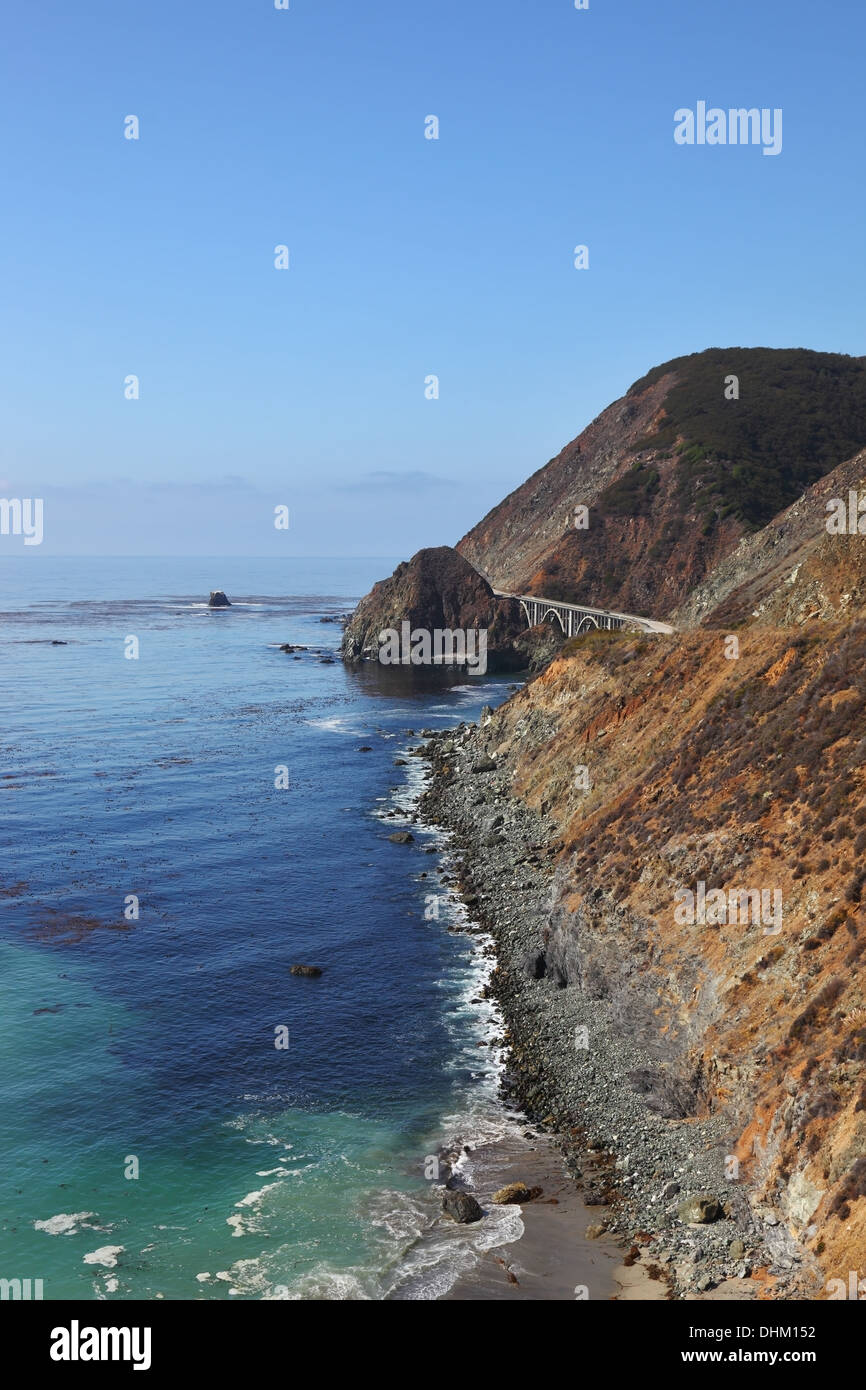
165 385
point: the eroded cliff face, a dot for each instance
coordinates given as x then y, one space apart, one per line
733 772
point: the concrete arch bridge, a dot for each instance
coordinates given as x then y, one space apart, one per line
575 618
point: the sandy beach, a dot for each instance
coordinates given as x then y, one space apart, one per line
553 1259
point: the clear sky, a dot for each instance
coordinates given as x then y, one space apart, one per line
409 257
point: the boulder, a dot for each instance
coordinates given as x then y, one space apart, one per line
461 1207
514 1193
218 599
701 1209
484 765
402 837
312 972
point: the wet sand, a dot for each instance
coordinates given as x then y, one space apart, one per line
552 1259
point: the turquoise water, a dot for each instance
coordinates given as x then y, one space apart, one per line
146 1046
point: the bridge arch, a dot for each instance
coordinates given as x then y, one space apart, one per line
556 613
570 618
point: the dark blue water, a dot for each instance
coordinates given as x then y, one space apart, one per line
155 1140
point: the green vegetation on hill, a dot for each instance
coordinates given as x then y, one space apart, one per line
798 416
633 492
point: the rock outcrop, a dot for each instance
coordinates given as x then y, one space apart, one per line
439 590
218 599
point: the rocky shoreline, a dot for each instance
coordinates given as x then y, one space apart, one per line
658 1184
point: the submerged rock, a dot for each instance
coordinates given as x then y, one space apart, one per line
218 599
312 972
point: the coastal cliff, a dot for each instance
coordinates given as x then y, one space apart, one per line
702 1068
721 1059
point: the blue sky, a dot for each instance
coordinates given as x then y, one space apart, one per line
409 257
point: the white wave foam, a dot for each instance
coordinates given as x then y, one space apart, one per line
105 1255
245 1225
70 1223
337 724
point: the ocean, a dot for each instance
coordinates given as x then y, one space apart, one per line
158 882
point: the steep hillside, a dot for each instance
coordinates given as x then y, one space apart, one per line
674 476
735 773
510 542
791 570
